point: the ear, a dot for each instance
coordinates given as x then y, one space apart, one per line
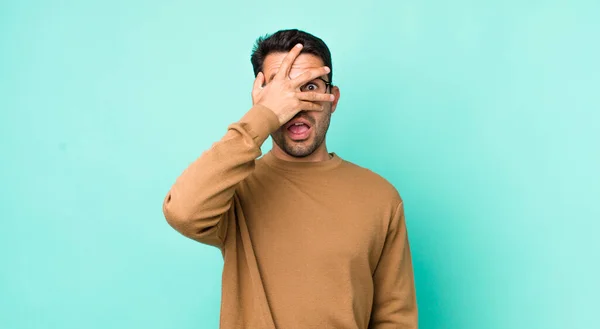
336 92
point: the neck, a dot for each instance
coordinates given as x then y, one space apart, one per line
320 154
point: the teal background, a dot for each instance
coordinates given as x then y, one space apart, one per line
484 115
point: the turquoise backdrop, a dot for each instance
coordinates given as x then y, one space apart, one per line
484 115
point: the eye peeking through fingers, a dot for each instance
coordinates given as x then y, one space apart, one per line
318 85
311 87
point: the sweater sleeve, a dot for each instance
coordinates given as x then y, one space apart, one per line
394 303
199 201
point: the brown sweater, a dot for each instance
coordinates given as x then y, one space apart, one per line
305 244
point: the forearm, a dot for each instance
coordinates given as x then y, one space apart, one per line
202 195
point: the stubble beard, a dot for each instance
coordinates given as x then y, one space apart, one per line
301 149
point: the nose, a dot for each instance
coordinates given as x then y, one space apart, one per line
305 115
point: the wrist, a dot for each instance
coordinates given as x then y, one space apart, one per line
260 121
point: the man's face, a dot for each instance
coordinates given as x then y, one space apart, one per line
294 140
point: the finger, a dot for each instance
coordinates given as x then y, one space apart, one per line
286 65
312 96
258 84
309 75
310 106
259 81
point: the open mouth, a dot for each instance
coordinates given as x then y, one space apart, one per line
298 130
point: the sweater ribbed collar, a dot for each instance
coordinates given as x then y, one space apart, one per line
302 166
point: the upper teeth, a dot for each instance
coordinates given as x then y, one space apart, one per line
298 123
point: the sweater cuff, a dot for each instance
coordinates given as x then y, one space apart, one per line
260 122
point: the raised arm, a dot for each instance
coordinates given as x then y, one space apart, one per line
198 203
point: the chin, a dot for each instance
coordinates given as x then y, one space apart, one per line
296 148
298 154
300 149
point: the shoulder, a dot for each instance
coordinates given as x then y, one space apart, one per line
371 182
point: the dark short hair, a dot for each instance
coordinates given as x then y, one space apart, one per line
284 41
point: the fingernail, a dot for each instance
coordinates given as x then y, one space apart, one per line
331 97
327 69
299 45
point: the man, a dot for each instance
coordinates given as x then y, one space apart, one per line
309 240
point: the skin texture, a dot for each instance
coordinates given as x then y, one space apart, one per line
316 110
